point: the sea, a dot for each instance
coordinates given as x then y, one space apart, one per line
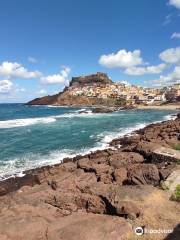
34 136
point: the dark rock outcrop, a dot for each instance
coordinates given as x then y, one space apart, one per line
98 78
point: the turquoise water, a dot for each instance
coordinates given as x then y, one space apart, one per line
41 135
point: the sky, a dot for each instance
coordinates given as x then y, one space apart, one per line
43 43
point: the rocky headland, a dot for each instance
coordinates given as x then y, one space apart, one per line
102 195
66 98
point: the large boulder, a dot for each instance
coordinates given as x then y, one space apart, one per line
146 148
69 202
143 174
103 110
120 159
120 175
127 209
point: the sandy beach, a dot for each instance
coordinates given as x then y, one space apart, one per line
161 107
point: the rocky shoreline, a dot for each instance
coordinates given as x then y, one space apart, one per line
102 195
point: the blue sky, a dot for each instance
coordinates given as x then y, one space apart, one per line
43 43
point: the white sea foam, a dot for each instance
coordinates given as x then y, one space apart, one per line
53 106
170 117
108 137
37 160
30 161
25 122
43 120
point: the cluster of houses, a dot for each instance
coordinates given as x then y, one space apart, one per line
131 93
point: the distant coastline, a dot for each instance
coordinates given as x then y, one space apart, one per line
98 90
175 106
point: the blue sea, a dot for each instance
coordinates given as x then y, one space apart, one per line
33 136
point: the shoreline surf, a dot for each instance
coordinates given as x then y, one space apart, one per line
56 157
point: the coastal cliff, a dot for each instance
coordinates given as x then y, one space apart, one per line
102 195
66 98
98 89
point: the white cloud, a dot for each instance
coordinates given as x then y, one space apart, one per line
121 59
171 55
171 78
5 86
62 77
175 35
42 92
32 60
132 62
137 71
16 70
175 3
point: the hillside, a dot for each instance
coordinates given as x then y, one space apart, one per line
66 98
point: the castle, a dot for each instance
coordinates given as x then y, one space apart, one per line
98 78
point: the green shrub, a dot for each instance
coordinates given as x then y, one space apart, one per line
176 195
120 102
176 147
163 185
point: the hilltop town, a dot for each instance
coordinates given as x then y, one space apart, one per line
99 89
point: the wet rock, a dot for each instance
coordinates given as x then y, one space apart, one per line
103 110
15 183
99 154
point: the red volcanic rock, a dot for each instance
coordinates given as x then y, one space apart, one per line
33 223
103 171
68 202
86 197
85 164
146 148
99 154
143 174
91 203
127 209
120 175
120 159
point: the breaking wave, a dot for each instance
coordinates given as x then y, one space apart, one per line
25 122
15 167
43 120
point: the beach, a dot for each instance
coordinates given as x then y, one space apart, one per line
161 107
